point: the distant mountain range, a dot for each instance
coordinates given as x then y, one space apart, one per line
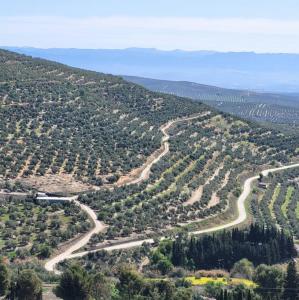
243 70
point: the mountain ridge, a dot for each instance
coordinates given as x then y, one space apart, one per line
241 70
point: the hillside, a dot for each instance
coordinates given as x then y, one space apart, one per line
65 129
141 163
235 70
261 107
82 127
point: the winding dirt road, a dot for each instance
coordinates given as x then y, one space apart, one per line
99 226
165 146
242 216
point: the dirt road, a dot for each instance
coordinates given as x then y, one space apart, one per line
242 216
99 226
165 146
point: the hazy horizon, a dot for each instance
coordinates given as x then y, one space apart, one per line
236 70
143 48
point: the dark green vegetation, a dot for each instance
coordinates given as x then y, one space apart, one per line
125 283
278 205
56 119
77 284
291 285
25 285
272 108
128 284
222 250
30 229
59 121
273 284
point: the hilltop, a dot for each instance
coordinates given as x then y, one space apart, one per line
236 71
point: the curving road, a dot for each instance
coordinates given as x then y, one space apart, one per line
99 226
165 145
242 216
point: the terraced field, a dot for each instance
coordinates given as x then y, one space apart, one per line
71 131
278 204
199 179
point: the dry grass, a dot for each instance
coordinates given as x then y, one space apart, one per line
58 183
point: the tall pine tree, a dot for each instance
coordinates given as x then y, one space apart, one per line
291 285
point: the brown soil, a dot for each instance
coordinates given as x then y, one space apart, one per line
196 195
58 183
215 199
135 173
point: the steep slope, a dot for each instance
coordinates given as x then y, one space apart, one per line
65 124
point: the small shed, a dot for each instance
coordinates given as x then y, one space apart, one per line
262 185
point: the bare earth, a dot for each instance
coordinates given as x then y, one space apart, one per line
58 183
196 195
215 199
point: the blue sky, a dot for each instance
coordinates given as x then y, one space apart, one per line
223 25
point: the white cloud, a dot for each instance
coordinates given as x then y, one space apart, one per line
159 32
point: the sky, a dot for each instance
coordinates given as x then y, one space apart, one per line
221 25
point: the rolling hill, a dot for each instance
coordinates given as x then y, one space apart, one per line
90 126
142 162
276 72
262 107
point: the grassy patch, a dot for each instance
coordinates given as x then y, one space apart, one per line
274 197
286 202
4 218
297 210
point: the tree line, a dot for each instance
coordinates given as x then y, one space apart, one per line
222 250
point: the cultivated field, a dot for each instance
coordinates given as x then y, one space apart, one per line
278 204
